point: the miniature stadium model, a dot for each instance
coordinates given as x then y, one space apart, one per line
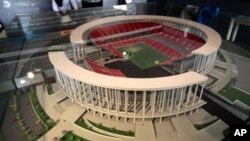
136 68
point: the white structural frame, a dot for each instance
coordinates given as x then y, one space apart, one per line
234 24
136 98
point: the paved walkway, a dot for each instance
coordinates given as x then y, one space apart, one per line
221 64
224 79
164 130
120 125
187 132
144 131
200 117
243 65
216 74
214 131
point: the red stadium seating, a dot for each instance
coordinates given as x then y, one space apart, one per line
189 42
170 52
120 28
177 37
104 70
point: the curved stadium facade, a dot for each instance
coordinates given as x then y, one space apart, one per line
184 49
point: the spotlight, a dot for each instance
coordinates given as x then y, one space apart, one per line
124 53
30 75
22 81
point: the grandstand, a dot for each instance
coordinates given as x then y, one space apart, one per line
171 43
104 70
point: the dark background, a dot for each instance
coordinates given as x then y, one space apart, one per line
31 6
230 6
21 7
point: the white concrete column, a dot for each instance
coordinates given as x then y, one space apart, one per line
102 96
184 94
79 91
99 97
84 93
214 57
57 77
208 66
172 100
120 100
168 95
163 101
116 105
70 86
79 50
91 94
195 63
211 62
62 81
188 97
177 94
74 53
66 84
197 58
195 93
107 98
134 105
200 63
82 51
230 29
201 92
181 67
153 103
204 58
116 102
126 102
143 103
113 97
73 87
180 100
159 100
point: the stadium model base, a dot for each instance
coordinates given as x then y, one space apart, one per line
185 52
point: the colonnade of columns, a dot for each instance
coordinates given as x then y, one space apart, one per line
204 64
132 103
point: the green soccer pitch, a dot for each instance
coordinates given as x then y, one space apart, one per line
143 56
